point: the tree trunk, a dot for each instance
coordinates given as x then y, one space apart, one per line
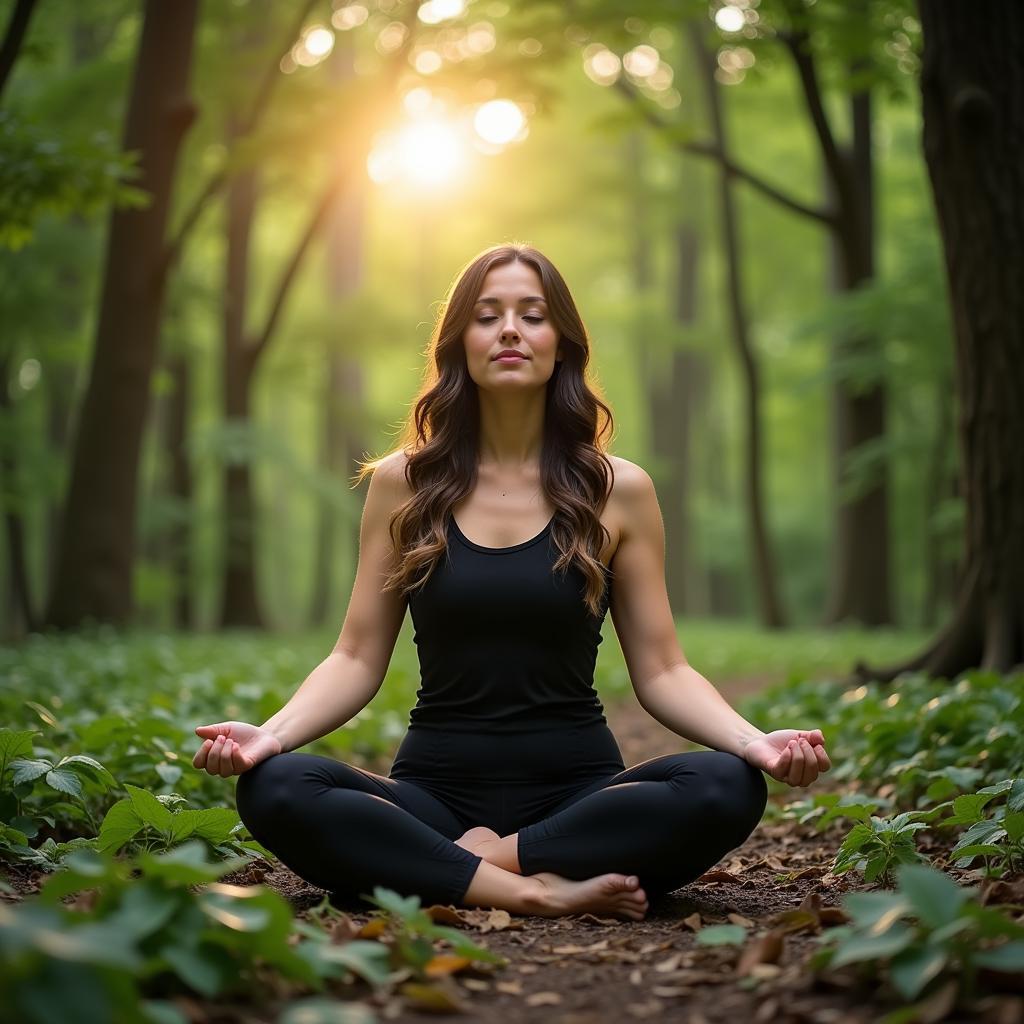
860 573
180 539
769 604
342 434
239 602
972 85
93 569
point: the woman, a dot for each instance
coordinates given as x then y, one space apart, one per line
516 533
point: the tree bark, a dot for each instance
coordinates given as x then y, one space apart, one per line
972 87
93 570
769 603
239 601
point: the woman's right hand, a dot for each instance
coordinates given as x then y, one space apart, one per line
231 748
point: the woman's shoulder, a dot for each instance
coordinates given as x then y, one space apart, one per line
630 480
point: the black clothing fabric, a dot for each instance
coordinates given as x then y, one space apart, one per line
504 643
507 732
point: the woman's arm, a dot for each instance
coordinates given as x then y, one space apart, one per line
685 702
350 676
668 688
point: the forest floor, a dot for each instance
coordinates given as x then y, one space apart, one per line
586 969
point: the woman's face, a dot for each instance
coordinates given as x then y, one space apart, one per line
511 313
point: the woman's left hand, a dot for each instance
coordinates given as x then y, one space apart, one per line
793 756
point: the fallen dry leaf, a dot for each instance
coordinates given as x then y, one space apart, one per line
543 999
670 964
431 997
373 928
445 963
766 949
693 922
740 919
441 914
717 875
510 988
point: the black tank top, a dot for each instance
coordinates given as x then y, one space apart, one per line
505 644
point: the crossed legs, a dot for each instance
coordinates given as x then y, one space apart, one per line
652 827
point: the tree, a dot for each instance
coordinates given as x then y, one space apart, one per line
972 88
92 575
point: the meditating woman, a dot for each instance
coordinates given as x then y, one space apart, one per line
507 529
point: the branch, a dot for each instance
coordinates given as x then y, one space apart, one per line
335 184
219 178
797 41
13 38
714 151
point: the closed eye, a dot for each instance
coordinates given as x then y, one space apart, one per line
491 319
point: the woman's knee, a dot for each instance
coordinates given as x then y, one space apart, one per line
266 791
733 790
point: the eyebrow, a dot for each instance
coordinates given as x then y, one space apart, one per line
526 298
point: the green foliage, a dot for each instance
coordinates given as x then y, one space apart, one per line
929 927
147 933
41 172
411 932
926 738
877 845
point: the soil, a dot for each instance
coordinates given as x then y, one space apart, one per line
586 969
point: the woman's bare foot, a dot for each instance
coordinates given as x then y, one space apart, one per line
613 893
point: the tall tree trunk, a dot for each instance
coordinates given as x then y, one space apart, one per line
936 486
860 576
675 407
93 573
19 597
180 486
769 603
972 86
239 602
342 431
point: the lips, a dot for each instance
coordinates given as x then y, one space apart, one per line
509 356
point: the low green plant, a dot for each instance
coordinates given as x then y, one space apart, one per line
139 933
930 927
998 838
874 846
411 933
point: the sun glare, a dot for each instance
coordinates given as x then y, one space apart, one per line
499 121
424 152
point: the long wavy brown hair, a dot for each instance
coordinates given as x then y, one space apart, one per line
441 435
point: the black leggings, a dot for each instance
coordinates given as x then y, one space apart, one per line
577 810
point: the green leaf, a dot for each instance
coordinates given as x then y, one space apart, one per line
1015 801
873 946
14 745
875 909
120 825
1014 825
149 809
934 896
368 960
198 969
968 808
1009 957
215 824
240 912
65 782
186 864
319 1010
159 1011
402 907
722 935
28 770
912 969
91 763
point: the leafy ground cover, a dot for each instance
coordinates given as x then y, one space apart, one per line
892 889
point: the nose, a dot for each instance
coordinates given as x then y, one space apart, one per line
508 328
